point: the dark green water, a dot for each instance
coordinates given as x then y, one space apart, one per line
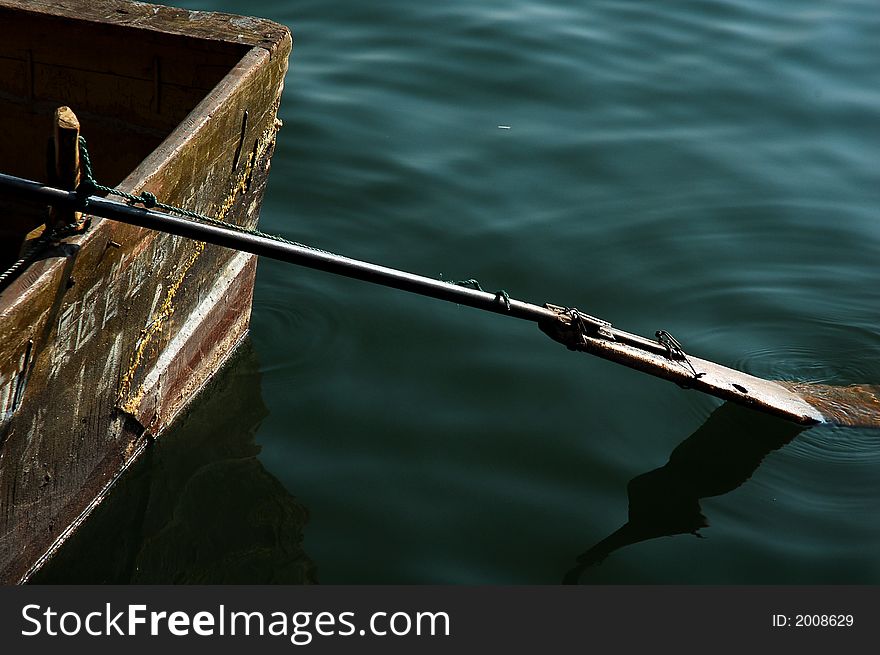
710 168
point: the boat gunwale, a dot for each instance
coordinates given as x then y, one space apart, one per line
41 273
210 26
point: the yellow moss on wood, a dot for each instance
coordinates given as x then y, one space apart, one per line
126 400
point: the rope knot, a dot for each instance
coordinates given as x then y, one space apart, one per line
148 199
84 189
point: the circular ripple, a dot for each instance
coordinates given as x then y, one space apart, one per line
293 331
837 445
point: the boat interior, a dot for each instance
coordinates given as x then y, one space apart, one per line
130 88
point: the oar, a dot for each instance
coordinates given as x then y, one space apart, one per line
664 357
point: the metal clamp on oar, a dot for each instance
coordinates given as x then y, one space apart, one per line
572 326
675 351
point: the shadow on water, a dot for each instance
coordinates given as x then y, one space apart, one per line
198 507
716 459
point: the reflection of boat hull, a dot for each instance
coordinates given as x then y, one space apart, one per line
106 337
198 507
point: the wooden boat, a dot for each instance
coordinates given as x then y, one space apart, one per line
107 335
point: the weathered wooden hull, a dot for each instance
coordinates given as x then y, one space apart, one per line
109 335
198 507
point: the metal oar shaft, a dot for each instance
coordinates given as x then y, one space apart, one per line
286 252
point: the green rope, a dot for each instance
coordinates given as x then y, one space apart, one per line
89 186
500 296
33 249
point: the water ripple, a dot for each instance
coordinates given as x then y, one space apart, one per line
837 446
297 328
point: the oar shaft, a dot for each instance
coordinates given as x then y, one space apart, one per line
576 330
286 252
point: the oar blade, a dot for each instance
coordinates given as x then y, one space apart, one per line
856 405
582 333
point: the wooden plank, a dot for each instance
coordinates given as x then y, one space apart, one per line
116 145
114 95
197 63
208 26
15 75
164 60
65 129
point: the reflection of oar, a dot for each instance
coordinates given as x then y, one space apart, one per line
663 358
720 456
